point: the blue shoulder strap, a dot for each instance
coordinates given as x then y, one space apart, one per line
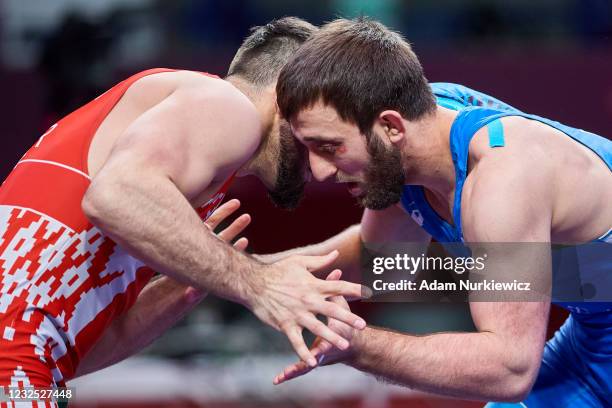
496 133
467 122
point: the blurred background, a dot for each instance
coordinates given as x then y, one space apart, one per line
550 57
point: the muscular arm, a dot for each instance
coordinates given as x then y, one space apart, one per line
501 360
498 364
389 225
169 154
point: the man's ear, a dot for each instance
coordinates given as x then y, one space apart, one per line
393 125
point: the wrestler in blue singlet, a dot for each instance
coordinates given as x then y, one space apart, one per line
576 368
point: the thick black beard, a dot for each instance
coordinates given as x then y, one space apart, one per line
385 177
289 187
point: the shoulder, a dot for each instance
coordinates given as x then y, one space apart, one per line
222 105
524 143
215 119
196 92
201 126
225 117
216 95
508 194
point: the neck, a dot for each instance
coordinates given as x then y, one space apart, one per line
264 100
426 155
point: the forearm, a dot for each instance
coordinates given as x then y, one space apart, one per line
465 365
159 306
348 244
154 222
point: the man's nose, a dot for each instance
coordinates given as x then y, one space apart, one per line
321 168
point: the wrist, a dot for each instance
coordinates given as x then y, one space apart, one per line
358 347
254 283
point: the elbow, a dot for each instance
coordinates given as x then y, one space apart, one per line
518 381
89 204
97 203
517 388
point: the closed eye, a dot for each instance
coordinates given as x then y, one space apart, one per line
328 148
322 145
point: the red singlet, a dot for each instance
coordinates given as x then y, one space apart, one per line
62 281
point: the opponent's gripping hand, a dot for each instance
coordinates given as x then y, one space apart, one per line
291 297
324 351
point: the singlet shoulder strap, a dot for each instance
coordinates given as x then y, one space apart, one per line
469 121
496 133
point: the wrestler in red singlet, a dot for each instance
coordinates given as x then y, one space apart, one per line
62 281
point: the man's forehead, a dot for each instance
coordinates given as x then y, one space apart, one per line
317 112
319 121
